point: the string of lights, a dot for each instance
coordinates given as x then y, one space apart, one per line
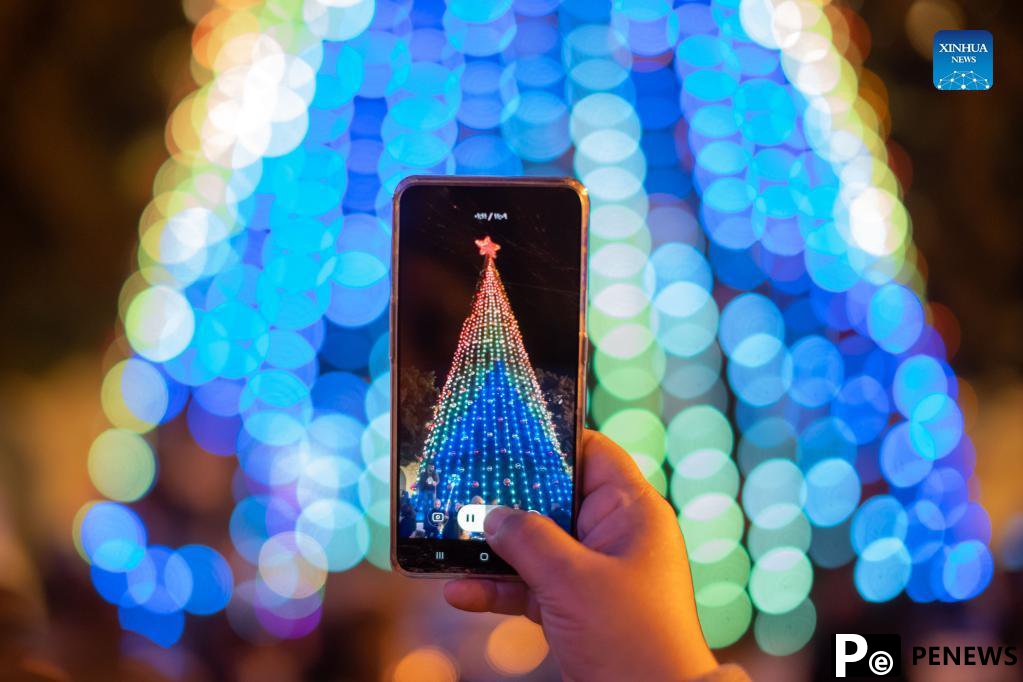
492 436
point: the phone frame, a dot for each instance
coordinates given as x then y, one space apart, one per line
582 354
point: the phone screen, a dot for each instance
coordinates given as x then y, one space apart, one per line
488 342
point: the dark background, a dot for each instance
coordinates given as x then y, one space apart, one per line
87 89
440 265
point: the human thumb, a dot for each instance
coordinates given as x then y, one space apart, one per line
540 551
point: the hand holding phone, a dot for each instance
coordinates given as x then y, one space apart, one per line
618 603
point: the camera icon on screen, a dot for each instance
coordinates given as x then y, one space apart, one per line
867 655
437 516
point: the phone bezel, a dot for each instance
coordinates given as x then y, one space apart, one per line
503 571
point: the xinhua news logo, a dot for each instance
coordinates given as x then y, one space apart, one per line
868 655
964 60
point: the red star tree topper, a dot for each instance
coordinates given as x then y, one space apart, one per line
488 247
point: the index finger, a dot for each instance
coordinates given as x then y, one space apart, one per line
604 462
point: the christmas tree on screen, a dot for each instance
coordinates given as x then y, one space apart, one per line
492 436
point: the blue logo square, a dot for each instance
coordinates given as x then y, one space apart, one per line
964 60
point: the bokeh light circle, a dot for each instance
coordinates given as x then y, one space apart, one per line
781 580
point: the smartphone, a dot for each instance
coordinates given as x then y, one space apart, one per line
488 356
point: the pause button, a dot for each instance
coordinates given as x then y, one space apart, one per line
471 516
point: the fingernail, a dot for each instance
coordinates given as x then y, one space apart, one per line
495 518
